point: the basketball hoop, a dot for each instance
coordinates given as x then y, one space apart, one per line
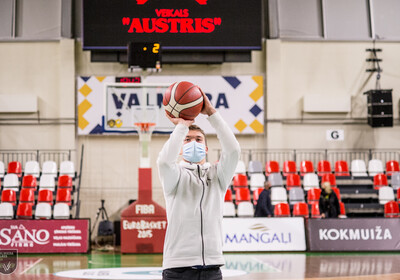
145 119
145 129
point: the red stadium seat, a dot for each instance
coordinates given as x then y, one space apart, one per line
9 196
45 196
324 167
337 192
240 180
29 182
228 195
392 166
380 180
289 166
282 210
27 196
24 211
329 178
300 209
391 209
242 194
271 167
256 195
313 195
306 166
315 213
341 168
65 181
293 181
64 196
15 167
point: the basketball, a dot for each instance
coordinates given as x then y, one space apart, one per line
183 100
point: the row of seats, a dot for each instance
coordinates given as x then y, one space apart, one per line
300 209
294 195
33 168
310 180
46 181
282 209
358 167
44 196
42 211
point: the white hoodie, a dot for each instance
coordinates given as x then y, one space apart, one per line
194 197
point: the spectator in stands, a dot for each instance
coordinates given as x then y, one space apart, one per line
328 202
264 207
194 192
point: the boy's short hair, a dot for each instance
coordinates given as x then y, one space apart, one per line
197 128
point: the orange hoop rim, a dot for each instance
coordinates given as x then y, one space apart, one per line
144 126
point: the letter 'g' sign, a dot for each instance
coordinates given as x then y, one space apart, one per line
335 135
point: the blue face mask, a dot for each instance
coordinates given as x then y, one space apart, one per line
194 152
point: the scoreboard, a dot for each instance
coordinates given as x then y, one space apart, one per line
177 25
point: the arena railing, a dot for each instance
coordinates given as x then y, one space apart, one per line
298 155
56 155
40 156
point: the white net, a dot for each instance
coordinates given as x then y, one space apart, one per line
145 121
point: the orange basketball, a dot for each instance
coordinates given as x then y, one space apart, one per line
183 100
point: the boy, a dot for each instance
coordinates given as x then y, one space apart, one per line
194 192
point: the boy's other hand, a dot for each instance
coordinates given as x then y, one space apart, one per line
177 121
208 109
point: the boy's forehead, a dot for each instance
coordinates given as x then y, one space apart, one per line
195 133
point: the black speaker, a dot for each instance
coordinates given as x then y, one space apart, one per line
380 108
376 121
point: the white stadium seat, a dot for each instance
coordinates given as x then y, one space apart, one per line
386 194
6 210
275 179
32 168
278 195
229 209
375 166
11 182
61 211
255 167
257 180
296 195
43 211
358 168
47 182
245 209
49 168
395 180
1 169
240 167
67 168
310 181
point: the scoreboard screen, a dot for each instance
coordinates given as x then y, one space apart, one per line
144 55
175 24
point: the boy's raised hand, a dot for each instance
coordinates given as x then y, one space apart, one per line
208 109
177 121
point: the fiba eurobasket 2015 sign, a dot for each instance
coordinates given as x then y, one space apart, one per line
106 107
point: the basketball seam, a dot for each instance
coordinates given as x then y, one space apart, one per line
177 101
